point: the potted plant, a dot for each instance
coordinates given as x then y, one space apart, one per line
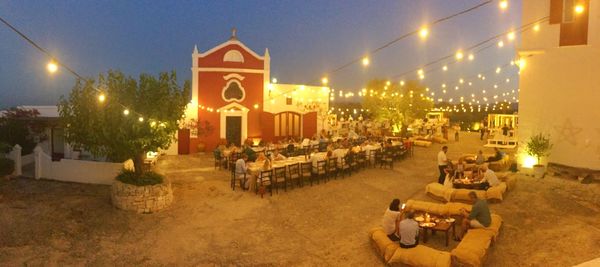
538 146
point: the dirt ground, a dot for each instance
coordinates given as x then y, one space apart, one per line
547 222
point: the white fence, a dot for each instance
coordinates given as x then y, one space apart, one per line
80 171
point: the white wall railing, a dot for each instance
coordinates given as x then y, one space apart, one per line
79 171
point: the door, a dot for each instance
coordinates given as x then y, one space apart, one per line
233 129
183 141
58 143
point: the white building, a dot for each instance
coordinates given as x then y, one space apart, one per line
560 80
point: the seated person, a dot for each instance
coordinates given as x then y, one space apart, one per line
391 218
478 218
409 231
241 170
489 177
277 156
261 156
497 155
460 169
248 151
480 159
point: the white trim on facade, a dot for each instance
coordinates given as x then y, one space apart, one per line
233 56
233 99
230 70
232 42
239 111
232 76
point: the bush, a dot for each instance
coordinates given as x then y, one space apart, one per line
147 178
7 166
538 146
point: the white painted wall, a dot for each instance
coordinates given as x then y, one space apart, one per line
560 89
79 171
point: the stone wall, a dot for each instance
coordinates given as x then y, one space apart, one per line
142 199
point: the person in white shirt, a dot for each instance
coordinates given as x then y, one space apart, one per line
241 168
489 176
276 156
409 231
442 161
391 218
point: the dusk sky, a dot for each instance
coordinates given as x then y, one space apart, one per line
305 39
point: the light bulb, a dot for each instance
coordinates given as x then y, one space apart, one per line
126 112
459 55
503 4
424 32
365 61
52 67
101 98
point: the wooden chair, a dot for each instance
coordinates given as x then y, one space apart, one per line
332 167
378 157
264 180
361 159
352 162
305 172
387 159
371 158
320 171
219 160
237 176
279 177
294 174
344 165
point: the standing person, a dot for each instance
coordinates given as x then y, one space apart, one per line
409 231
391 217
479 217
442 164
505 130
456 130
482 131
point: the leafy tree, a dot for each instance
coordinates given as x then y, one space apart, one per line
20 126
102 128
395 103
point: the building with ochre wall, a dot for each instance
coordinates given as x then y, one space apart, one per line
232 91
560 80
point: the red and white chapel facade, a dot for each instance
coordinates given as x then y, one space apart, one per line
232 90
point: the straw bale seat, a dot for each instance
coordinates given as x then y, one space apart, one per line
418 256
439 192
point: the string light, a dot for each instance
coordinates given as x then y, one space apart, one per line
445 68
52 67
536 27
365 61
324 80
459 55
511 36
274 80
471 57
500 43
141 119
101 98
503 4
126 112
423 33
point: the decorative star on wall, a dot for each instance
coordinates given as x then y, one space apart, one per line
568 132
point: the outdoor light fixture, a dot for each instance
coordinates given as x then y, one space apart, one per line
365 61
424 32
579 9
126 112
503 4
511 36
459 55
52 67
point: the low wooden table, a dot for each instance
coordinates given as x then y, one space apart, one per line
441 226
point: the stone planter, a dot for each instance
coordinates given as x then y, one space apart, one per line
141 199
539 171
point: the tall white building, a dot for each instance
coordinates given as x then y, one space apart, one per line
560 80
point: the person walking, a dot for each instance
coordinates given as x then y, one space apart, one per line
442 164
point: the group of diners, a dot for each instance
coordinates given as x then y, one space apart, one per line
474 169
401 226
272 166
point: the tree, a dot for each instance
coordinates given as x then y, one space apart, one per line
395 103
20 126
155 105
